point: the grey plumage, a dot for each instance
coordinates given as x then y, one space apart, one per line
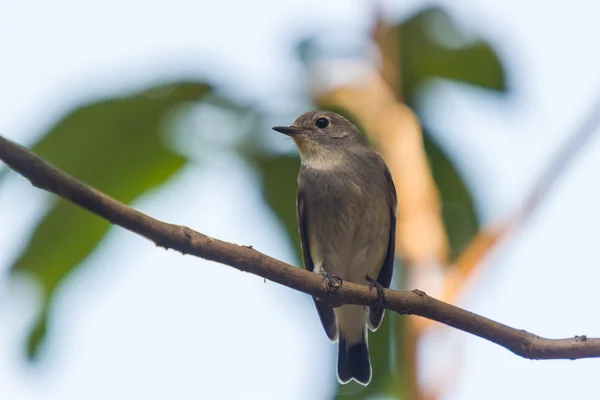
346 218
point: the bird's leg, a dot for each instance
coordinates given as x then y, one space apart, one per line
374 284
333 282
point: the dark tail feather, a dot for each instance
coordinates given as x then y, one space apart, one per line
343 368
353 361
375 317
327 317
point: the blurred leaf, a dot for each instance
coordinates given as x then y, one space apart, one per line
431 45
116 145
458 210
279 186
423 55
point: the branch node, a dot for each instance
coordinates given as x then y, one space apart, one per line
161 245
404 311
527 349
36 184
188 233
419 293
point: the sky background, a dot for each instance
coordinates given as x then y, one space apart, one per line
138 322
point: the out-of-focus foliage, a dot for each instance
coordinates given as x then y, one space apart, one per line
279 185
458 211
431 45
116 145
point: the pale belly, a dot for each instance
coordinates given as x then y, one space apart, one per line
351 238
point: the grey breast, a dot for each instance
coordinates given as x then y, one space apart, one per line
348 218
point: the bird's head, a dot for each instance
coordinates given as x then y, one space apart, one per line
323 135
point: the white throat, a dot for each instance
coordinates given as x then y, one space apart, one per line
322 160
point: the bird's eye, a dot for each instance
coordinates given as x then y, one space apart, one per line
322 123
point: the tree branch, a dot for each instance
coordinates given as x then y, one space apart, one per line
188 241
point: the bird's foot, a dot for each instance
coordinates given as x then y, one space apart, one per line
374 284
333 282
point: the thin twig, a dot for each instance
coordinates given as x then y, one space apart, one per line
561 159
491 236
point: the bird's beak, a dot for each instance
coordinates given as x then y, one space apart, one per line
287 130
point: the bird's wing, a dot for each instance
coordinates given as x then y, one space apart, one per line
387 269
325 311
304 242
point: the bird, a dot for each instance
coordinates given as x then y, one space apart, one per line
346 207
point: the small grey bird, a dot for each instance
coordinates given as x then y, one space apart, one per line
346 208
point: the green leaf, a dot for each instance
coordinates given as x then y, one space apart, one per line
279 186
423 55
115 145
458 210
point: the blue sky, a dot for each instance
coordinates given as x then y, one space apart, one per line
141 318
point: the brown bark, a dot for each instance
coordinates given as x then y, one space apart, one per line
244 258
